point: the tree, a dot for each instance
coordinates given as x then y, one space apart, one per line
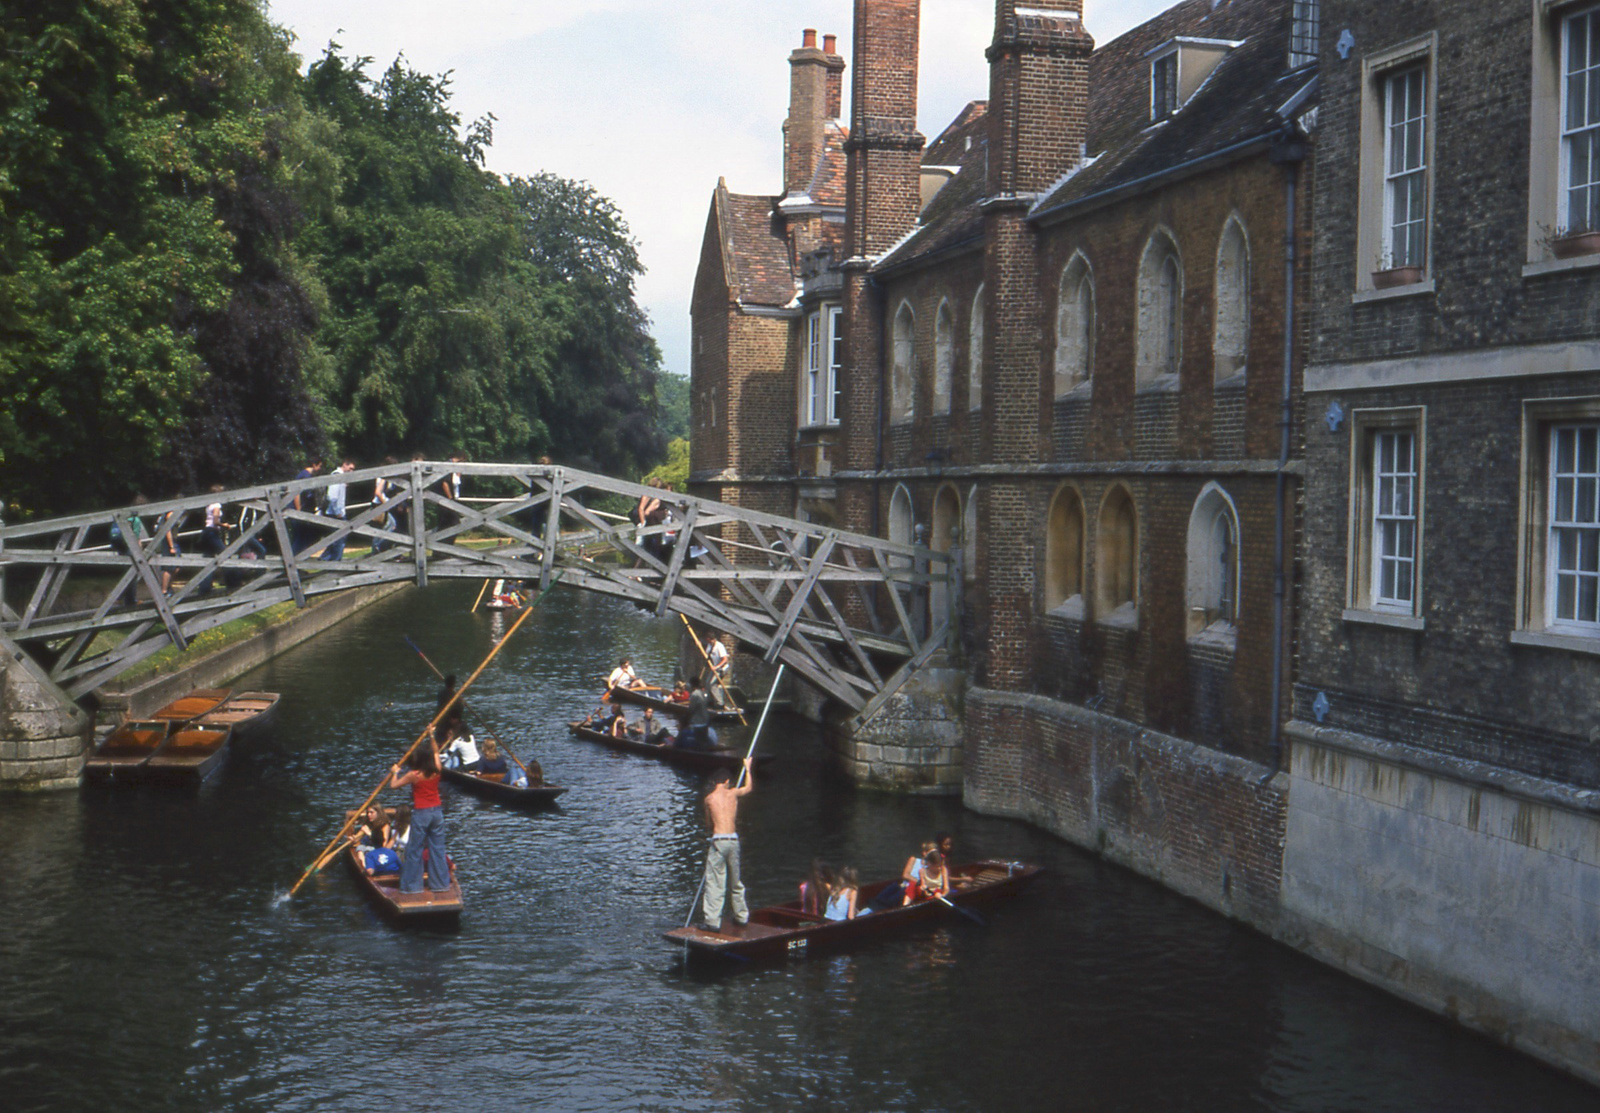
672 402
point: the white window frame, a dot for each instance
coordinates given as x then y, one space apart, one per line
1572 516
811 375
1370 549
1583 132
1375 196
1406 166
1396 519
1164 92
835 351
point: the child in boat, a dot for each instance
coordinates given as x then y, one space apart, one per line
932 882
375 836
492 764
842 896
814 889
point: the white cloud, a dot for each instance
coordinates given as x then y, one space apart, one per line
650 100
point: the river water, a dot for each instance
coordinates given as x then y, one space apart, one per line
146 962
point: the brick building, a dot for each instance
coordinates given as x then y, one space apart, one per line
1446 743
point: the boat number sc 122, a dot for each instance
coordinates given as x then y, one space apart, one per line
797 945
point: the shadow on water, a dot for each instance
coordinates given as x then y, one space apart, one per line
144 962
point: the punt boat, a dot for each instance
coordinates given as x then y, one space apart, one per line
490 787
190 755
424 909
247 713
199 702
668 707
784 930
125 750
703 760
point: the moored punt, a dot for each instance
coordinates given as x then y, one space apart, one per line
667 707
125 750
783 929
424 909
245 712
704 760
490 787
191 754
197 703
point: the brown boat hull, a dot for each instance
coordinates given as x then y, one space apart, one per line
534 796
189 756
667 707
424 909
783 931
190 707
247 713
701 760
120 759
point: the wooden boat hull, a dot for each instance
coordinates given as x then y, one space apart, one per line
122 756
190 755
703 760
199 702
534 796
246 713
784 931
424 909
667 707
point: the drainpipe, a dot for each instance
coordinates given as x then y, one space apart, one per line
1289 151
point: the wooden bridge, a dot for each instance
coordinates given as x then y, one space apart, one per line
848 612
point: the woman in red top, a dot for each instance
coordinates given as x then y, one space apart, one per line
426 844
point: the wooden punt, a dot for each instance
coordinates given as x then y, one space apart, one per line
122 755
783 930
533 796
424 909
704 760
190 707
247 713
668 707
191 754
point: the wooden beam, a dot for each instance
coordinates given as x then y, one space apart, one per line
798 602
680 552
291 568
140 557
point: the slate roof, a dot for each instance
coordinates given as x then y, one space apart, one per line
755 252
953 216
1238 102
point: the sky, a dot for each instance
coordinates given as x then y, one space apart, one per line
651 100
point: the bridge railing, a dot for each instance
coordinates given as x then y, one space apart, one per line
847 611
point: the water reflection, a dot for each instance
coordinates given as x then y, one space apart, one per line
144 964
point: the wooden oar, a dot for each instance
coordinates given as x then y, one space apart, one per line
715 675
479 599
967 912
427 731
750 753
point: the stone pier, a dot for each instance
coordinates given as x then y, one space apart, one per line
915 743
43 734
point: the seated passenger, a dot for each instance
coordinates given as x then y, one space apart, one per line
892 896
932 882
617 726
679 693
814 889
493 765
842 896
461 753
375 837
650 729
623 677
402 828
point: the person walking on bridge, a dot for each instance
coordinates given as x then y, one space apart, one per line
722 878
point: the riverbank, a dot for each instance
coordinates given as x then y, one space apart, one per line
283 632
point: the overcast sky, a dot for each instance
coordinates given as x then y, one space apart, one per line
651 100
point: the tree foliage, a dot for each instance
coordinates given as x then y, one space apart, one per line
212 265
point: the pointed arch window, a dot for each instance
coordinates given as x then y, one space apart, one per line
1074 327
975 354
1231 341
1213 575
1160 312
1064 554
944 357
901 407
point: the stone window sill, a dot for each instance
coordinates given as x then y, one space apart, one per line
1071 609
1234 381
1557 266
1361 297
1219 635
1159 384
1076 391
1380 618
1545 639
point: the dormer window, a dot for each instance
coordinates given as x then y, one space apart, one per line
1304 34
1164 86
1179 67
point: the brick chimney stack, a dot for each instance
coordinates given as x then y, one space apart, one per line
1038 94
885 191
830 47
813 74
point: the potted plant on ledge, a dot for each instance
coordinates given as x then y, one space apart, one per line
1566 243
1387 276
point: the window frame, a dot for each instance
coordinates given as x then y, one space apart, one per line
1564 124
1374 252
1164 94
1556 480
1075 309
835 349
811 370
903 372
1365 555
1535 589
944 358
1417 171
976 331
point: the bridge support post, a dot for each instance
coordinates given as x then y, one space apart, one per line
915 743
43 733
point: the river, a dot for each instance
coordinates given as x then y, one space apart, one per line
148 962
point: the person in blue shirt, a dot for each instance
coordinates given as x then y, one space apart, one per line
334 507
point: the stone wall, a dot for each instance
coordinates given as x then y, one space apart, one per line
1468 890
1202 822
914 744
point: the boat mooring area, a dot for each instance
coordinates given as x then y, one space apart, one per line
148 959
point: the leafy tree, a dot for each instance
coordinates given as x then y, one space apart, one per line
675 471
672 402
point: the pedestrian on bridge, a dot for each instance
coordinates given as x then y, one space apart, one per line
334 506
300 533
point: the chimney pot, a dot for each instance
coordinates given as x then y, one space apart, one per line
809 41
830 44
